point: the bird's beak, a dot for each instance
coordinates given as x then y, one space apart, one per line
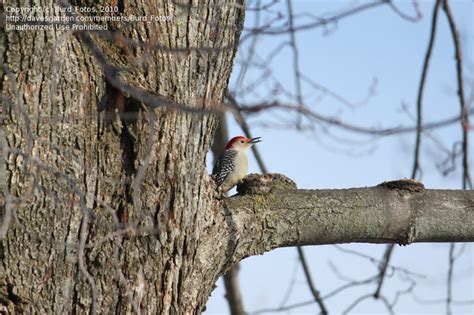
255 140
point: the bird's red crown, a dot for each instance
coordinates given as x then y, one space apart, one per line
234 140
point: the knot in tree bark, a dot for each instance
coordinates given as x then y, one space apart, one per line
256 184
406 184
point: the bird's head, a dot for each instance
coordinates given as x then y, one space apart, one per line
242 143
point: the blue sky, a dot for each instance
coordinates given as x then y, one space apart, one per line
372 46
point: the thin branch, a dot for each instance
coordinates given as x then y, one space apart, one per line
466 180
309 281
441 301
405 16
399 293
388 305
375 260
383 269
319 23
340 98
112 74
296 63
251 50
351 284
282 308
337 122
419 131
449 285
356 302
464 109
116 37
264 7
149 99
291 286
421 89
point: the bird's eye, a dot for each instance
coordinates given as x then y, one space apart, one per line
241 141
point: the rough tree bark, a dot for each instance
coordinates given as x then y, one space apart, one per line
108 204
89 160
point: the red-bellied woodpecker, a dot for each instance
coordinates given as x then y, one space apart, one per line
232 165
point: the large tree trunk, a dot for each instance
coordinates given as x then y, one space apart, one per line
108 205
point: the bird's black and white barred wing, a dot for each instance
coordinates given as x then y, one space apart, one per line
224 165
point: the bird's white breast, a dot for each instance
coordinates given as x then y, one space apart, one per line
240 169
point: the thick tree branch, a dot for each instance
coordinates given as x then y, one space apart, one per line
271 212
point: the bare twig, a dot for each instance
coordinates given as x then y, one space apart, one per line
449 285
421 88
112 74
375 260
149 99
319 23
419 131
356 302
336 122
291 286
405 16
466 180
383 269
340 98
399 293
296 63
459 77
350 284
251 50
264 7
282 308
441 301
309 281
